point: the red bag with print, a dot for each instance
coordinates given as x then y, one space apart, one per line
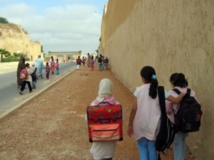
23 74
105 122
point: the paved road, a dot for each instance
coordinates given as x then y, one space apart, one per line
9 93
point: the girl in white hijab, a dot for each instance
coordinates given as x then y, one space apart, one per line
104 150
105 92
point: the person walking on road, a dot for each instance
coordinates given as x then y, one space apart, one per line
21 65
100 62
88 60
52 63
57 66
104 150
34 76
47 69
83 61
39 66
92 61
179 82
27 80
106 62
78 61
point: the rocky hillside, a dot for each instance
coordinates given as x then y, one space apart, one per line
15 38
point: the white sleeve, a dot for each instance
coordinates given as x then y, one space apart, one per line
166 94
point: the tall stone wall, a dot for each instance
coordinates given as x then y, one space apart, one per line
14 38
172 36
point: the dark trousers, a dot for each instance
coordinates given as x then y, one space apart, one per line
24 84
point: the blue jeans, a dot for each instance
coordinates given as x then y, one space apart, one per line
100 66
180 146
147 149
57 70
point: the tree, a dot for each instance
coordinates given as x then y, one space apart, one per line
3 20
4 53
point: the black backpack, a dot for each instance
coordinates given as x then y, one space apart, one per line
33 75
100 60
166 133
188 117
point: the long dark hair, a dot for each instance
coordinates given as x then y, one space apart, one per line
148 73
179 80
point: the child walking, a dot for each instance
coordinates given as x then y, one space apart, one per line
145 115
78 62
52 63
104 150
92 62
47 69
57 66
34 76
83 61
27 80
179 82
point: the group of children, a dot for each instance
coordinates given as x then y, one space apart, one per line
54 66
144 119
103 62
31 78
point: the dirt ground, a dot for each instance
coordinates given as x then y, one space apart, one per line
52 125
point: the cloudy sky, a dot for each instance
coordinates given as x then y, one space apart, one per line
59 25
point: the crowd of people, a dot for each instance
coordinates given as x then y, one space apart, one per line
34 72
103 62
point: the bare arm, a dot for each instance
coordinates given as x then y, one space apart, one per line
131 117
176 100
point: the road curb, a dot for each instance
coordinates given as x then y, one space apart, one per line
18 106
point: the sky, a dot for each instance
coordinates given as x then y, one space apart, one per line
59 25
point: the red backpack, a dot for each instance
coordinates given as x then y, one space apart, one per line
24 74
78 61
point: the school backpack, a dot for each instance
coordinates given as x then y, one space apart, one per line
166 132
106 60
24 74
78 61
100 59
105 122
33 75
188 117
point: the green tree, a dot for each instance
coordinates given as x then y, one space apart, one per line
3 20
4 53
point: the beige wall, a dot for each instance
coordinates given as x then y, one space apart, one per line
172 36
13 38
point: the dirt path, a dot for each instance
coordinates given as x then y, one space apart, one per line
52 126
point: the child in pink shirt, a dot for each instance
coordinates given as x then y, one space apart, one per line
92 63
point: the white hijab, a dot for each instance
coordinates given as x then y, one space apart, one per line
105 89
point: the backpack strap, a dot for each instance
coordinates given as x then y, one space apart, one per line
188 91
176 91
161 96
34 71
